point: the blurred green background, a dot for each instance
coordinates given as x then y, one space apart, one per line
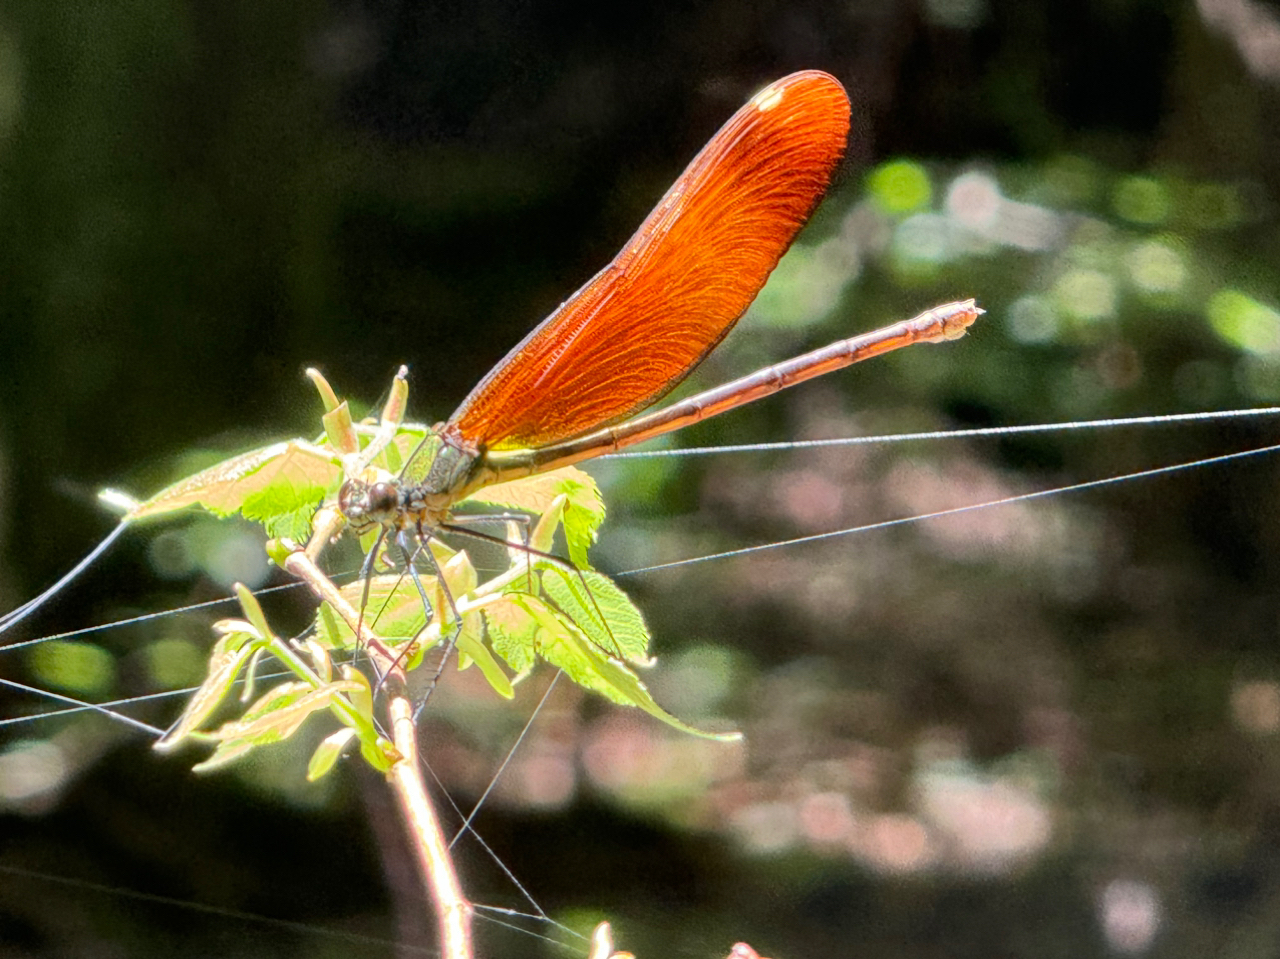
1044 729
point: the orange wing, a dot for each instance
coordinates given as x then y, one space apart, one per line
641 324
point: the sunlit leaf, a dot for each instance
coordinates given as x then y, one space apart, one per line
253 612
361 699
284 509
583 514
394 609
294 524
339 428
459 574
320 659
251 672
512 631
229 655
225 754
542 536
620 678
328 397
328 753
562 644
603 612
277 479
381 754
274 717
470 644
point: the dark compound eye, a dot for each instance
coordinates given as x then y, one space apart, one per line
368 503
352 499
382 498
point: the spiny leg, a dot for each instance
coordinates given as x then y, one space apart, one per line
366 572
424 548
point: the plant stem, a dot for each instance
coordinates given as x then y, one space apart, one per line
453 911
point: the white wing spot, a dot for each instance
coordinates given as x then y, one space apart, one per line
767 99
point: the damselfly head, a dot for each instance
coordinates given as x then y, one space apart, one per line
366 505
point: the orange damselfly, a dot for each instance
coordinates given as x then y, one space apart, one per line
570 390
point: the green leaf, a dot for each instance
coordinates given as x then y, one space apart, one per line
328 753
361 699
273 480
296 525
273 718
582 516
513 631
602 611
584 509
394 609
253 612
469 644
563 645
459 574
233 649
319 656
280 711
629 685
224 755
543 535
327 396
339 429
381 754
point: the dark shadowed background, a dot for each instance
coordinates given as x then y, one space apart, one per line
1043 729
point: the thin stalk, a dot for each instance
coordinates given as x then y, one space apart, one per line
453 910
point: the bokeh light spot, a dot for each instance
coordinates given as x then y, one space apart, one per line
1244 322
1086 294
806 285
826 818
1130 913
698 679
1032 319
974 199
174 663
76 667
170 555
1157 267
29 770
921 244
1256 706
1142 199
897 843
766 827
900 186
238 557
